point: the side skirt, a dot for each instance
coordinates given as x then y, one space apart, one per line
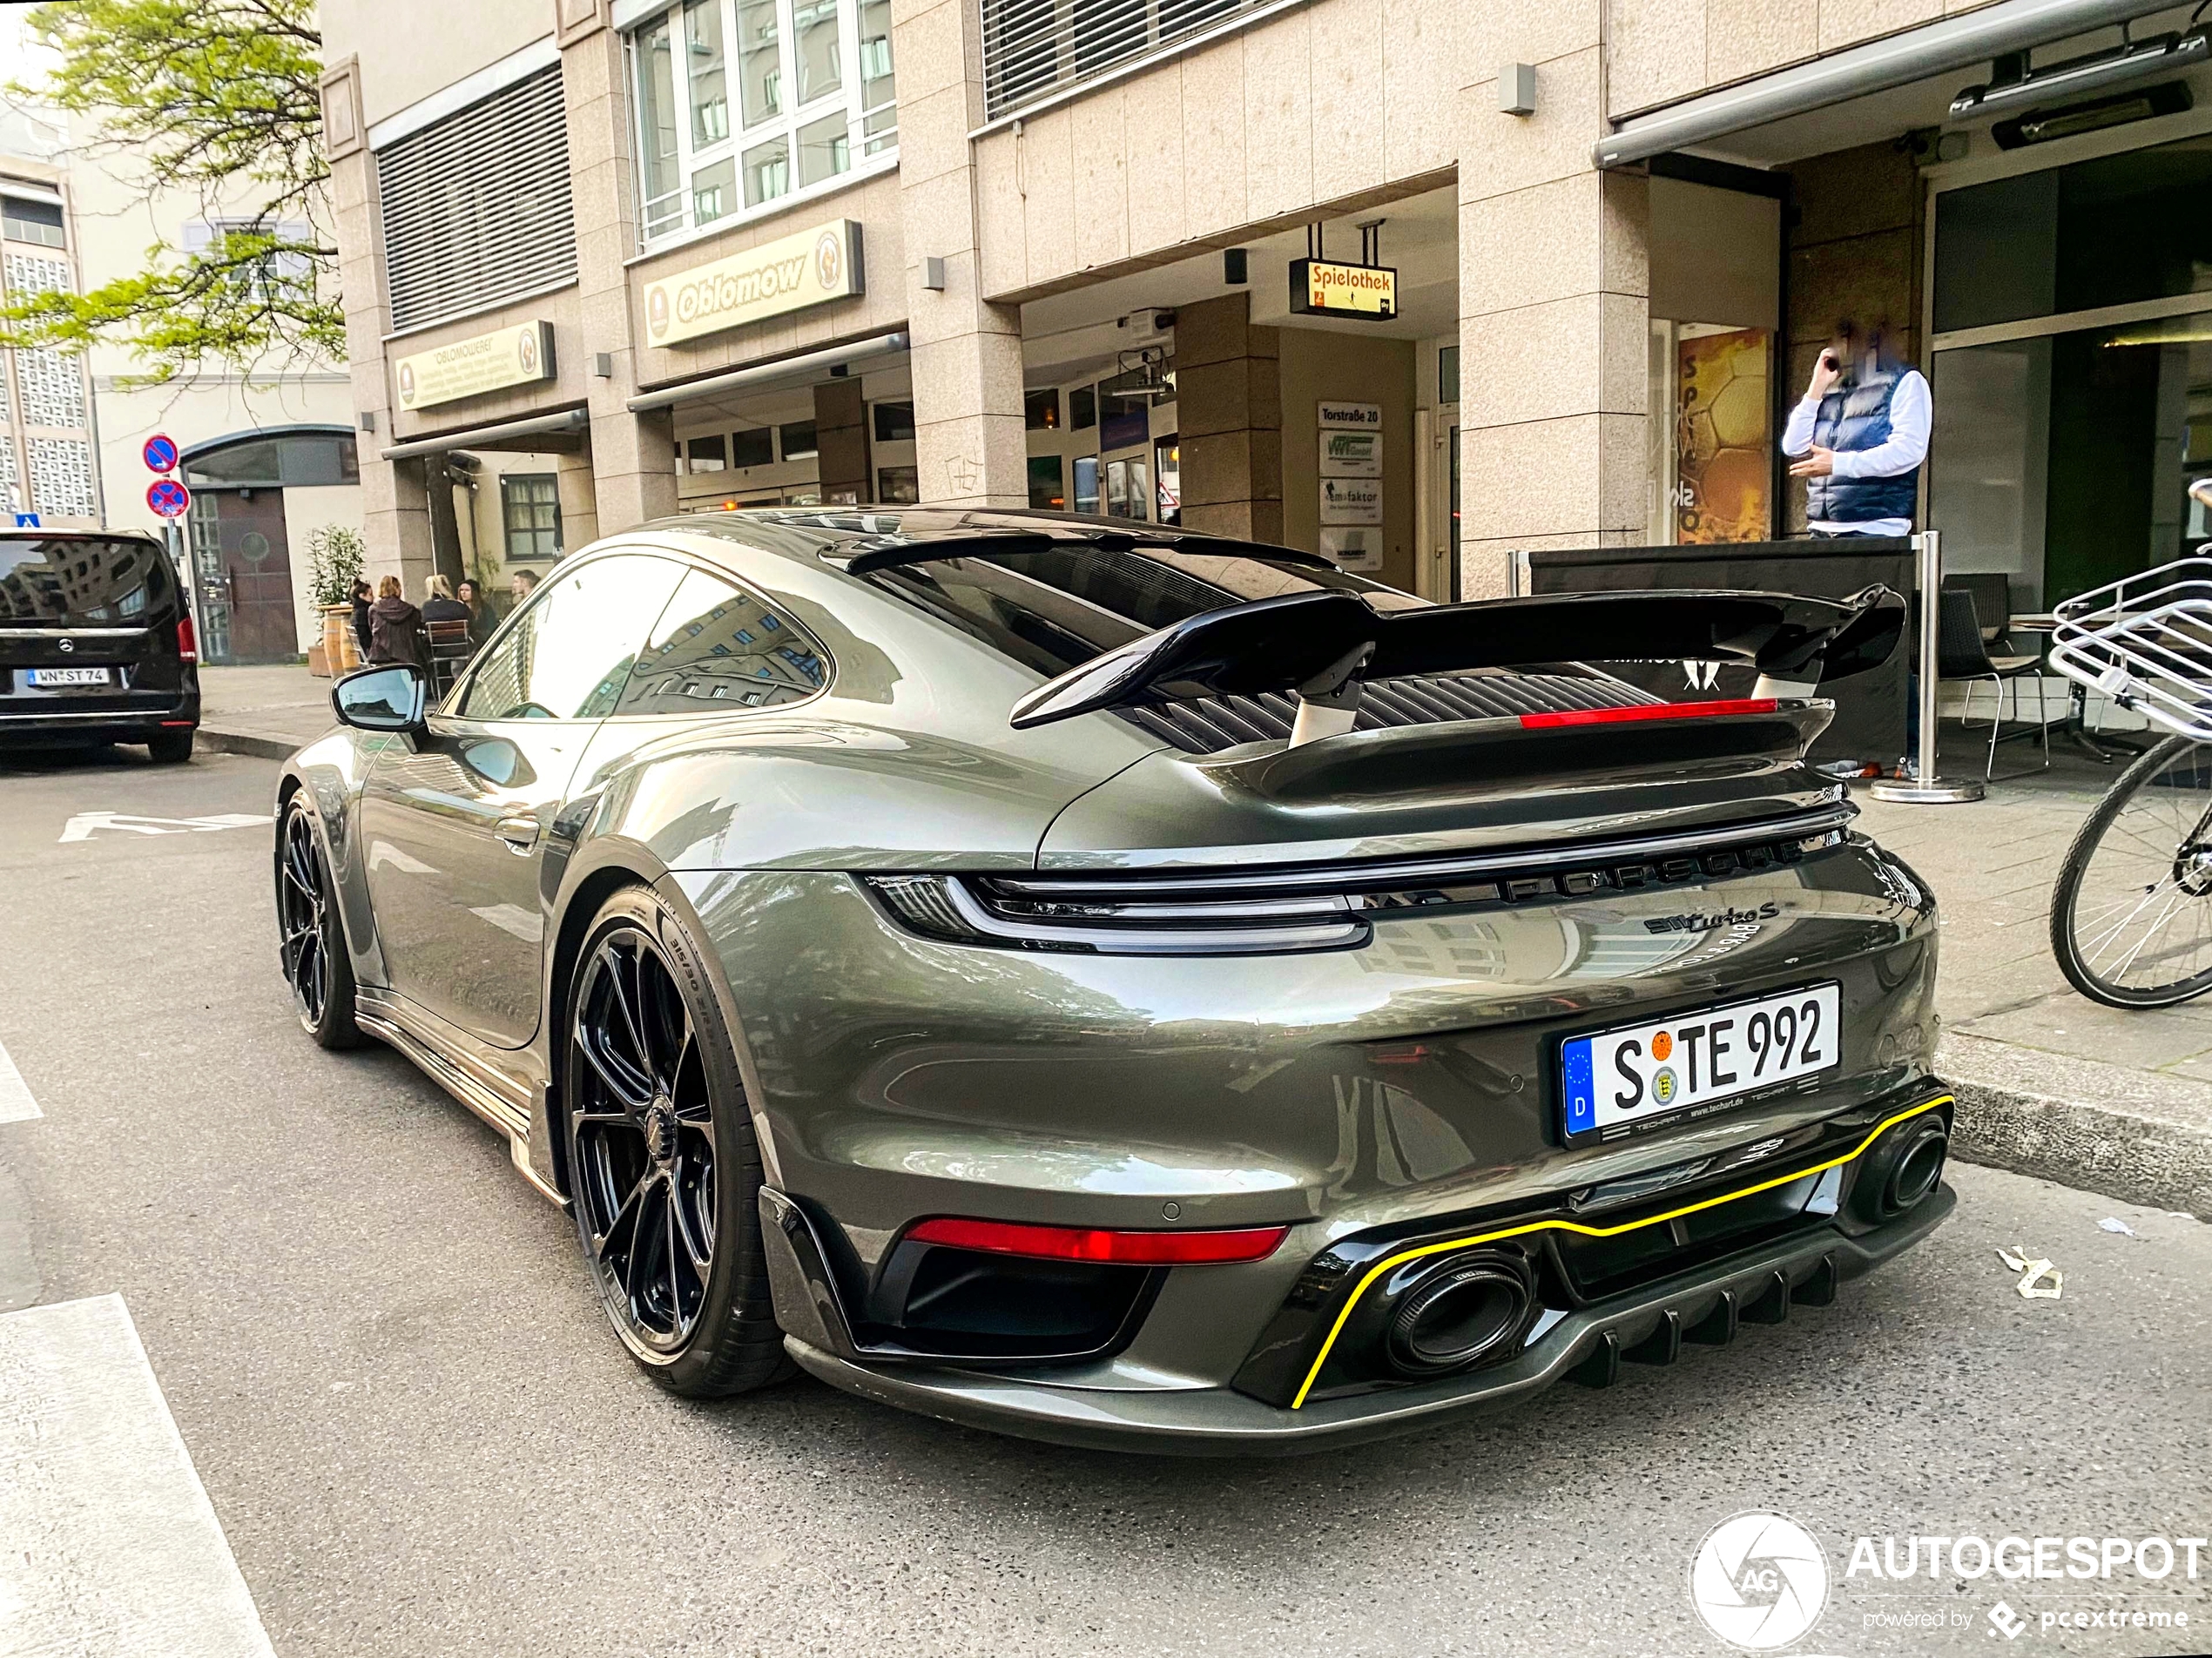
498 1100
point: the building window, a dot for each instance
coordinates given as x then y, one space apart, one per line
529 507
1041 410
33 221
705 454
894 423
814 99
797 440
898 486
754 446
1045 493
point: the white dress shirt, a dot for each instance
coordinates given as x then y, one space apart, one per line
1911 412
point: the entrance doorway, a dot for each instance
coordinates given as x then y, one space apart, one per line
242 566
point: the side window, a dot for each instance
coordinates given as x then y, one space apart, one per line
719 646
569 653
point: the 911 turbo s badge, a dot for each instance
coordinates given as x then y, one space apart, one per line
1766 912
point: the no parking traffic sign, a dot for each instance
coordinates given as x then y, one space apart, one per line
161 453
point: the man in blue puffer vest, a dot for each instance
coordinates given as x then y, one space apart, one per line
1863 443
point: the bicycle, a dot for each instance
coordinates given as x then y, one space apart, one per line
2131 914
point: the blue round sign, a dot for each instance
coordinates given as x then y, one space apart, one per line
161 453
168 497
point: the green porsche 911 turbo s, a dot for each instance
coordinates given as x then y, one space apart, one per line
1133 988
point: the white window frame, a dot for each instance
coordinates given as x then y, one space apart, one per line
691 159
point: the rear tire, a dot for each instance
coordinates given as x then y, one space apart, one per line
311 939
170 748
664 1167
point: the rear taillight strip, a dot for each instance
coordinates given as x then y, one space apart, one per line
1640 713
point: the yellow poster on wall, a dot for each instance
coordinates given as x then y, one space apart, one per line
1724 437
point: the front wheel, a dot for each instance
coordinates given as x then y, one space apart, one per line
662 1163
311 941
2131 917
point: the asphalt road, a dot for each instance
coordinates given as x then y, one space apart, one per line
384 1359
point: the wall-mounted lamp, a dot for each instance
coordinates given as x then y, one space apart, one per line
369 420
1517 89
603 365
933 274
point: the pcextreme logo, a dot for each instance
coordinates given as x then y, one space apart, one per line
1759 1581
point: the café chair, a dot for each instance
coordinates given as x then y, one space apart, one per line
450 649
1963 654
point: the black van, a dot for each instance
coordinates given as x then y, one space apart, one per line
96 642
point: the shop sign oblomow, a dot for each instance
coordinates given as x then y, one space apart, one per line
1330 288
806 268
483 362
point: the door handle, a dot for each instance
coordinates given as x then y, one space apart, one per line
519 833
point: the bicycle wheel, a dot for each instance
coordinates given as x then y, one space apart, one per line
2131 916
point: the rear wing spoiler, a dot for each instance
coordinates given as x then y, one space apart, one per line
1322 644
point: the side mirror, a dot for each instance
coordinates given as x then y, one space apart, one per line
391 696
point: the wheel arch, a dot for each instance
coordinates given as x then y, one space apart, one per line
624 865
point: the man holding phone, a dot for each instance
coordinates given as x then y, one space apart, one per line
1862 441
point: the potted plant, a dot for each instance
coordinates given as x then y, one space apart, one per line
335 557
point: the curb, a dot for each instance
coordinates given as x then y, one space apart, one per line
2141 1136
217 739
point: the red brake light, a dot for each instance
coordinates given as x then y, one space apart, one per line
1091 1244
1652 711
188 639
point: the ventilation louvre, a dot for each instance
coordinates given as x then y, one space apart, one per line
477 206
1209 725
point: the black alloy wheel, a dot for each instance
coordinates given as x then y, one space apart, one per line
663 1164
311 945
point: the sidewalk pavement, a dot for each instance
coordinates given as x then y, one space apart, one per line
2048 1082
267 712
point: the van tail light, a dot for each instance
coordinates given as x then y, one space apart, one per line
188 639
1091 1244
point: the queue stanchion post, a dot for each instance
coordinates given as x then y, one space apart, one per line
1928 789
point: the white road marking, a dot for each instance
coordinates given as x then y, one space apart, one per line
384 852
16 1104
108 1544
526 925
82 827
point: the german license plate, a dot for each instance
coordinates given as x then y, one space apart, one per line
44 677
1616 1082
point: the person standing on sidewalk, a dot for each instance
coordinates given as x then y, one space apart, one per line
1862 441
362 599
395 627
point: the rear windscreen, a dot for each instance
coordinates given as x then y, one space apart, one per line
1055 610
81 580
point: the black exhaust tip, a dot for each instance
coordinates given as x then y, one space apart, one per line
1468 1309
1902 1170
